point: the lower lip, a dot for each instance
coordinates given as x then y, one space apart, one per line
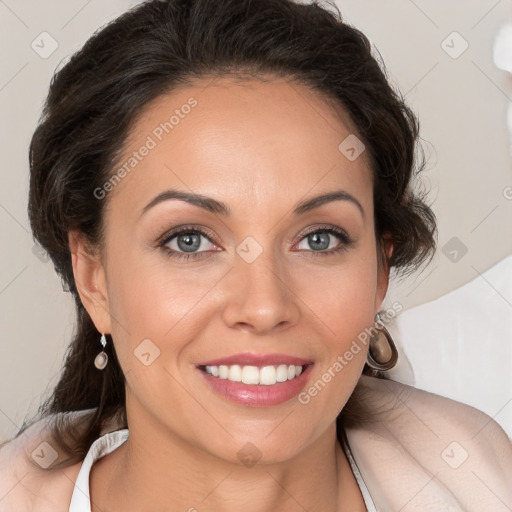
258 395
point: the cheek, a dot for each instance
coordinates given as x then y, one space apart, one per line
344 309
152 299
343 295
153 295
154 314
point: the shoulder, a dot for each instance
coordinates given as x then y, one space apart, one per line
402 405
454 446
33 472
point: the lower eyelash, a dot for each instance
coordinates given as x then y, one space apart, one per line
184 255
346 242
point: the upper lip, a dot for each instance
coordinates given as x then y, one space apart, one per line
248 359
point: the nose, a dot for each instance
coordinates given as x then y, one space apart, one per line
259 297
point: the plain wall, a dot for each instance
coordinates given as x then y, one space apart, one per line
461 104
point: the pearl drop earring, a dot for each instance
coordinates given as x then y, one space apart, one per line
101 360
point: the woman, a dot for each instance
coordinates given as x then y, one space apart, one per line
224 187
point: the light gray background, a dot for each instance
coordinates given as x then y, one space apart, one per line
461 103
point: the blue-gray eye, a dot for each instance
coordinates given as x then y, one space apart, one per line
322 239
189 242
319 240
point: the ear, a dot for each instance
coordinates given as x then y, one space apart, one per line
386 246
90 280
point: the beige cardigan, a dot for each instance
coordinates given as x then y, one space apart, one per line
421 452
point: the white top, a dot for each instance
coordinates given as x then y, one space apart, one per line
80 500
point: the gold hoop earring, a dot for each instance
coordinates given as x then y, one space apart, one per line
382 352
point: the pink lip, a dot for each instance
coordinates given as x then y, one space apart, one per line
258 395
248 359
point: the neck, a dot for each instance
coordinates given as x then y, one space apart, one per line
172 475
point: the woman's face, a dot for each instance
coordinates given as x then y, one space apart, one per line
245 278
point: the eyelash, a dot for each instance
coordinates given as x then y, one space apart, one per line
346 241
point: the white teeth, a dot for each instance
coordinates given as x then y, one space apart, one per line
223 371
250 375
282 373
235 373
267 375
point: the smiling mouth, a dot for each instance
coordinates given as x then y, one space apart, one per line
255 375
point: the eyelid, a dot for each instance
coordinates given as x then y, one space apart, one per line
177 230
346 238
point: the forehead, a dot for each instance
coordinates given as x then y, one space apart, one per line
252 139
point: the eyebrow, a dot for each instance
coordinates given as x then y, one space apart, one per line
218 207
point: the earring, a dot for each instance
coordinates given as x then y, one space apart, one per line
101 360
382 353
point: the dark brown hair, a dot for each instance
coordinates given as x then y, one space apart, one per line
95 98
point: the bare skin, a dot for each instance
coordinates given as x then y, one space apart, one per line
260 148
